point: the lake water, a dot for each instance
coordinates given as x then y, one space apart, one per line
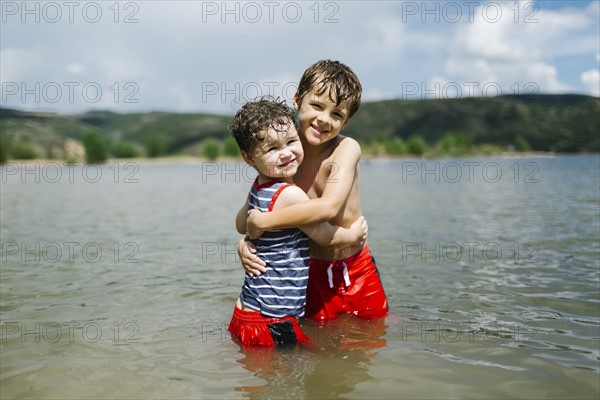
119 281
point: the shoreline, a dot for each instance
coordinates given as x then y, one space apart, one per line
194 160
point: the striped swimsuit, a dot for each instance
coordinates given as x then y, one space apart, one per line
281 290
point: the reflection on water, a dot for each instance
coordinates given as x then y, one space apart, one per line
345 348
114 289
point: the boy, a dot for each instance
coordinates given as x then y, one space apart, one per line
265 313
341 280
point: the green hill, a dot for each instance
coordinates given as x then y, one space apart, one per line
47 132
560 123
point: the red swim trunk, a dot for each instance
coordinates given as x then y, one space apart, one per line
348 286
253 329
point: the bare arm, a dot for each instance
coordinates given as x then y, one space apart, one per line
323 233
326 234
317 210
246 249
241 217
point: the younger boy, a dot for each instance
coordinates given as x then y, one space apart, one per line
342 280
265 313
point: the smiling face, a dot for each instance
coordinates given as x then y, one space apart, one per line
320 118
277 154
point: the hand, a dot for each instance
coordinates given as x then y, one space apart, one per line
360 228
250 261
251 230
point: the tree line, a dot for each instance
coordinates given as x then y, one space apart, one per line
98 149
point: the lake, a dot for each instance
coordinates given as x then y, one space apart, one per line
119 281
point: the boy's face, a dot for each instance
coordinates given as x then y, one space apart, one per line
279 154
320 118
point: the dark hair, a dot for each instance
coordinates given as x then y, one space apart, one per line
342 83
258 116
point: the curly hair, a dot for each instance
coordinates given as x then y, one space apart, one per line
335 77
258 116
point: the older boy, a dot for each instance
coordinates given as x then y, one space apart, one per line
265 313
341 280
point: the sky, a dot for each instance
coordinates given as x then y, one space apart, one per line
71 57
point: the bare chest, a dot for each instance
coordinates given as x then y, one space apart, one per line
313 176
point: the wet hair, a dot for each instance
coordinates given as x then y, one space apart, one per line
335 77
258 116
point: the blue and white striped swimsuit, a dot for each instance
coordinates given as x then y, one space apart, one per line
281 290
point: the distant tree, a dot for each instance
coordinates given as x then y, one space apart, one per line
521 144
396 146
124 149
454 144
488 149
379 138
155 146
231 148
211 149
417 145
23 151
95 147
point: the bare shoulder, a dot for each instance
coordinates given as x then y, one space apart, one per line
290 195
347 149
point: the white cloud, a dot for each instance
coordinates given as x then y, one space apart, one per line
75 68
512 53
591 79
177 47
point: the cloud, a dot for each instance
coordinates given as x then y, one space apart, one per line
512 53
591 79
520 50
176 50
75 68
